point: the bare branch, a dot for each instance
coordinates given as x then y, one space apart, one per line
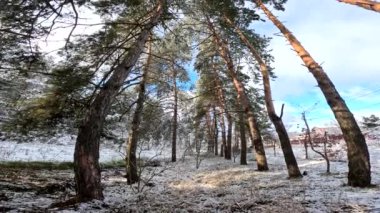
75 23
15 33
282 111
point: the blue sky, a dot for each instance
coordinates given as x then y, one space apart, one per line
344 39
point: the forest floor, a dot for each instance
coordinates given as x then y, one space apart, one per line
217 186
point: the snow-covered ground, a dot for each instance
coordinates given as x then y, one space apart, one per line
217 186
61 149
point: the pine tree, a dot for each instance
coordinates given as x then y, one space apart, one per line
290 159
86 156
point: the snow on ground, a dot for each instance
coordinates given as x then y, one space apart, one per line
61 149
218 186
11 151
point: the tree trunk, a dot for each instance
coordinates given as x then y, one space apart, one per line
175 118
306 151
252 144
228 148
243 140
210 132
262 164
86 154
131 160
224 111
198 143
224 139
325 153
216 131
366 4
359 173
236 136
291 162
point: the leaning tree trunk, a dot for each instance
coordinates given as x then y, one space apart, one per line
366 4
131 160
175 117
86 154
359 173
262 164
290 160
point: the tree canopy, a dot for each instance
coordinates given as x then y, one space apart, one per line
133 74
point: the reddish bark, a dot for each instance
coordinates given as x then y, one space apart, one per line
359 173
223 50
291 162
366 4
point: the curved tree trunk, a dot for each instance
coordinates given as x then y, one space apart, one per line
86 154
262 164
366 4
291 162
359 173
131 159
133 136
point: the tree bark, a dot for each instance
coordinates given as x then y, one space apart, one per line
86 154
366 4
359 173
243 140
252 144
291 162
262 164
133 136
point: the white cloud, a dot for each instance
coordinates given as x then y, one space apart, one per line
361 94
88 23
343 38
